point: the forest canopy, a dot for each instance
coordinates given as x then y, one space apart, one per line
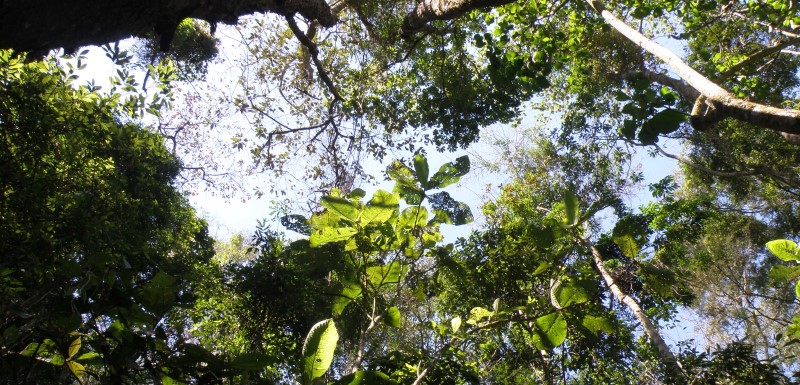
110 276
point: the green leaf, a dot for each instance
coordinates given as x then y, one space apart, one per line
380 208
797 290
349 293
76 368
551 331
74 347
477 314
393 317
571 293
784 249
455 324
666 121
450 173
357 194
88 356
318 350
341 207
598 324
368 377
421 169
413 217
250 361
571 208
385 274
627 245
330 235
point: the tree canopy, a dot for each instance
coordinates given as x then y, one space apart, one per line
109 276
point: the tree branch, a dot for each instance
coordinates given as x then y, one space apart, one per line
777 119
686 161
431 10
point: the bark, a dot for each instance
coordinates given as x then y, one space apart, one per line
41 25
649 329
431 10
778 119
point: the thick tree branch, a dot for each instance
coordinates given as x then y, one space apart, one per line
41 25
430 10
778 119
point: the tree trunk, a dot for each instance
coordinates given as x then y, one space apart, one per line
649 329
41 25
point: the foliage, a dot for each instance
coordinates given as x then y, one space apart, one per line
99 248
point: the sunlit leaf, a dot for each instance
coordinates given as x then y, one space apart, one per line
349 293
455 324
551 331
421 169
74 347
380 208
784 249
330 235
571 293
571 208
393 317
318 349
341 207
598 324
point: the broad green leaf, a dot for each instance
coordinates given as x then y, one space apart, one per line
598 324
385 274
367 377
627 245
341 207
380 208
76 368
570 293
318 350
421 169
797 290
393 317
666 121
357 194
543 266
413 217
330 235
551 331
74 347
349 293
784 249
571 208
88 356
455 324
250 361
477 314
405 183
449 173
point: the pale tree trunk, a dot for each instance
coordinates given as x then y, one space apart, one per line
652 333
778 119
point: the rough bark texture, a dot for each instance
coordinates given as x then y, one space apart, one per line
430 10
40 25
651 331
778 119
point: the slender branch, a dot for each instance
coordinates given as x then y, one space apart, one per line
313 50
756 57
686 161
649 329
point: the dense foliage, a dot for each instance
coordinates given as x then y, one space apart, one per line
108 276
